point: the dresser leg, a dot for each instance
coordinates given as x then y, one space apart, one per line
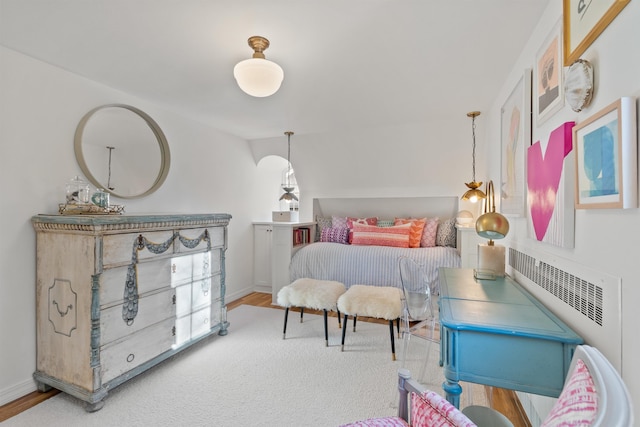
93 407
42 387
453 390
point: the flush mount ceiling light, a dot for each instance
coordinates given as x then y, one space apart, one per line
287 186
257 76
473 194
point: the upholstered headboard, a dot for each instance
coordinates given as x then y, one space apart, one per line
387 207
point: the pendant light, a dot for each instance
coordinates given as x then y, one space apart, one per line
257 76
288 196
473 194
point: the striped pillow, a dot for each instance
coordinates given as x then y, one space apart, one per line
578 402
417 227
397 235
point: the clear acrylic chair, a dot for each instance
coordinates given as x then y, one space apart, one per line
418 313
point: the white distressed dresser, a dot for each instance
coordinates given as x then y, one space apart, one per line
117 295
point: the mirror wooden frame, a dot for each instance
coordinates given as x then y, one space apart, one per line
165 156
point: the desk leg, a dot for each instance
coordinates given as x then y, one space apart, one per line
453 390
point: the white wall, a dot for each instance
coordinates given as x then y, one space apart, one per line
605 240
40 107
425 159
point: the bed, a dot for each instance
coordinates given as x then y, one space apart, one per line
373 264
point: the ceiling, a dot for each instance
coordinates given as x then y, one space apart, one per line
348 64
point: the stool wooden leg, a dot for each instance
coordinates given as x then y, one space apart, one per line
393 343
326 334
301 313
355 316
286 314
398 326
339 322
344 330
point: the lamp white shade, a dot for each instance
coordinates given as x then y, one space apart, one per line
258 77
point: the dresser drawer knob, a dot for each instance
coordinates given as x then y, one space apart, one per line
130 357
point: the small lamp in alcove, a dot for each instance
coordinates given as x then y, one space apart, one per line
493 226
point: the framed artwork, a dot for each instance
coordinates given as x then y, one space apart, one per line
515 138
584 20
606 158
550 187
549 93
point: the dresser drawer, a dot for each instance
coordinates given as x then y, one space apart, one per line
204 290
152 308
124 355
216 235
152 275
118 249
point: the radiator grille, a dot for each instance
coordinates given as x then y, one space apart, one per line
583 296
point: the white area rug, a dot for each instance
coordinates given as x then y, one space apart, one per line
252 377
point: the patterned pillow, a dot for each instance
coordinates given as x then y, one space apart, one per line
385 223
379 422
447 233
339 221
431 409
335 235
397 235
428 239
578 402
362 221
321 224
417 227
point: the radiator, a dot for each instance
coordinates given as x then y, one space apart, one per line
589 301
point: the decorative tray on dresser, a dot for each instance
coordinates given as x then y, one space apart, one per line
116 295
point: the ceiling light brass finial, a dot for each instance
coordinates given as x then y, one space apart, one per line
259 45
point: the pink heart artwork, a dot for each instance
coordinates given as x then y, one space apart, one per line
543 176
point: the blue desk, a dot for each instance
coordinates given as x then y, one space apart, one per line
494 332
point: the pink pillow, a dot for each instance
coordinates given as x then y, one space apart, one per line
432 410
430 232
379 422
417 227
578 402
397 235
363 221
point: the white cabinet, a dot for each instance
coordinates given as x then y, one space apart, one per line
467 241
274 245
116 295
262 233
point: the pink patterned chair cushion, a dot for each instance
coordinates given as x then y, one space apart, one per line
432 410
379 422
578 402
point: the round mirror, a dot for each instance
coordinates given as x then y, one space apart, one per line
122 150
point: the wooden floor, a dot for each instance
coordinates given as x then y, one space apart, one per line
502 400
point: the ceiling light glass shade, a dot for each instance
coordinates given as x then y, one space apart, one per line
258 77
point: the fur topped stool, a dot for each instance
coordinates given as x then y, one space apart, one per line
313 294
380 302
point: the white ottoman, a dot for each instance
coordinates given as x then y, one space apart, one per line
313 294
380 302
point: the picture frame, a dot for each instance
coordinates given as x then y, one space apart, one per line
548 78
515 137
606 158
583 23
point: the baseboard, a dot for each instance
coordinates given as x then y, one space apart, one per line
17 391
